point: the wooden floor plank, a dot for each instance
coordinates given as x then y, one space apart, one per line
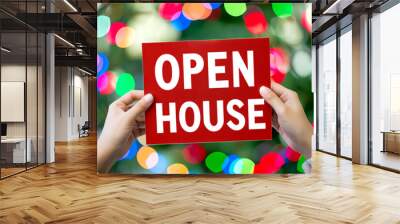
70 191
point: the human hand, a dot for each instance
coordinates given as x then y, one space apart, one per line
124 123
288 117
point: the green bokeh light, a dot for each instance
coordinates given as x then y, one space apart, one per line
244 166
300 162
103 25
235 9
125 83
215 161
282 10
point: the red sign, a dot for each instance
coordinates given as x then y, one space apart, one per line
207 91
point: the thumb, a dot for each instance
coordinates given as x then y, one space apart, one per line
140 107
272 99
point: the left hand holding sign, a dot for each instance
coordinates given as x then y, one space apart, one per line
124 123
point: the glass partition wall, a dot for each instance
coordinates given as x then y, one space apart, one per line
385 90
22 77
345 93
327 95
334 94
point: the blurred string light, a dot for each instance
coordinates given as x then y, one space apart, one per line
291 154
215 5
181 23
170 11
215 14
147 157
300 163
106 83
282 10
306 20
112 33
235 9
177 168
125 83
243 166
197 11
279 64
161 166
289 31
255 20
283 152
150 27
124 37
131 153
229 163
194 153
269 163
300 59
103 25
215 161
102 63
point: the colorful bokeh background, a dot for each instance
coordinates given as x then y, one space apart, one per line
122 28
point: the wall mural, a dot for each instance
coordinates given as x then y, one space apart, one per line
122 28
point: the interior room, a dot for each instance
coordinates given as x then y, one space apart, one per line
22 98
385 89
49 103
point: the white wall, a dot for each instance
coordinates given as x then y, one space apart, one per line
33 127
70 83
12 73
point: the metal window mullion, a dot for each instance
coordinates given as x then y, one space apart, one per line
316 97
0 93
338 97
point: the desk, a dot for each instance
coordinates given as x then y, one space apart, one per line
391 141
16 147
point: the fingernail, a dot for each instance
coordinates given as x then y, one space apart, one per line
148 98
264 90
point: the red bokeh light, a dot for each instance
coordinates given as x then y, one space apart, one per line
106 83
279 64
255 21
194 153
291 154
170 11
215 14
269 163
306 22
114 28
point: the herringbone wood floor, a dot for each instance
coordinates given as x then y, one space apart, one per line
70 191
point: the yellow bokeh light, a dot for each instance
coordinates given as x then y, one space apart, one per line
124 37
147 157
177 168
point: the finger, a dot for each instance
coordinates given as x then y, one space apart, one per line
130 97
140 118
139 125
139 108
138 132
273 100
286 95
275 123
278 88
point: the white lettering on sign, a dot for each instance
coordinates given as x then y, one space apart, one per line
215 72
237 124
